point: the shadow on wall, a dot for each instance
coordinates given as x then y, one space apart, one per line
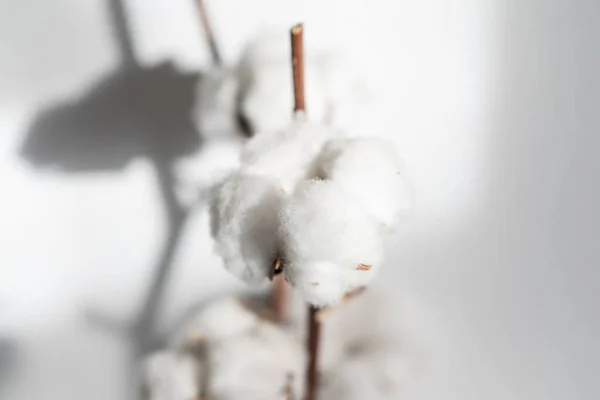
9 358
133 112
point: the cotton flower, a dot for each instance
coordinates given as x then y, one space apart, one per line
170 375
371 171
331 244
244 224
246 206
221 320
266 88
257 366
256 95
228 352
287 154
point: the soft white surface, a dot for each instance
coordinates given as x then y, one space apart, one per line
265 75
288 154
244 223
256 366
242 357
170 375
333 89
495 109
220 320
371 171
326 234
245 207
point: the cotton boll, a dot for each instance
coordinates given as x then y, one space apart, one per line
244 224
268 101
370 170
221 320
256 366
331 244
266 84
287 155
321 282
170 375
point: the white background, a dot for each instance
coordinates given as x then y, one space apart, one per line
495 109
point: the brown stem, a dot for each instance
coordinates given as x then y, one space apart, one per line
280 297
298 66
314 331
314 325
210 37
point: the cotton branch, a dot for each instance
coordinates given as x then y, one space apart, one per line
210 37
314 325
298 66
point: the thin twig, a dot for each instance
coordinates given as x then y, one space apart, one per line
298 66
280 298
312 373
314 325
208 31
280 290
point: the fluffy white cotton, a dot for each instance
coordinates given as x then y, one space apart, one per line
335 92
257 366
331 244
244 224
221 320
242 356
266 84
170 375
371 171
268 103
288 154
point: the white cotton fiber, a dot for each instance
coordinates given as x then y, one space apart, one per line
370 170
331 244
268 104
257 366
244 224
266 84
288 154
231 353
221 320
170 375
259 90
